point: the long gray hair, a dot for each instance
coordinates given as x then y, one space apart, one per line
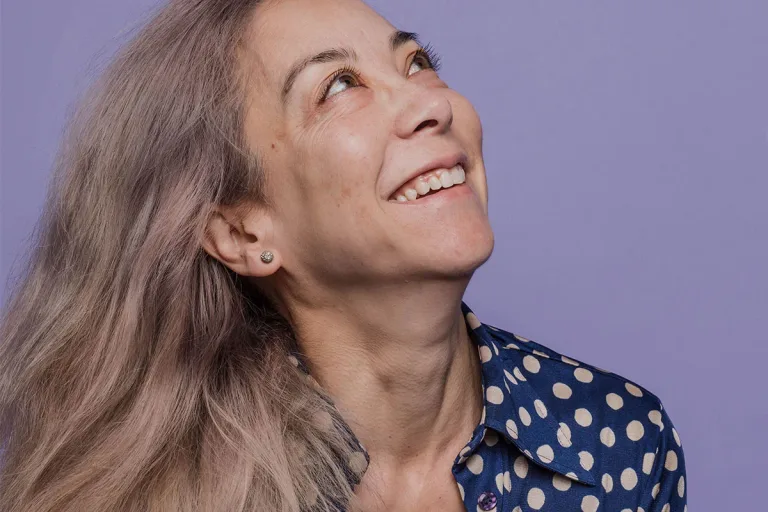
138 373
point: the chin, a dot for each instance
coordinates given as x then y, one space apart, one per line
460 253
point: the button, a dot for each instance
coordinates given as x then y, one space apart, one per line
487 501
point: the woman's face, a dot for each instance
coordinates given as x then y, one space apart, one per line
339 148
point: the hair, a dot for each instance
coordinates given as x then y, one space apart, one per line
137 372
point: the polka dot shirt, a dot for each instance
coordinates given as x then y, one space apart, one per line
560 435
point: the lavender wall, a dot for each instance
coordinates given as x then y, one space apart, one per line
627 151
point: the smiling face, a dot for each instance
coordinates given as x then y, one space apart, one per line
342 139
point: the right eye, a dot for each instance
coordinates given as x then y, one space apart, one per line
344 76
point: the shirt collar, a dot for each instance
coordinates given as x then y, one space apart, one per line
512 407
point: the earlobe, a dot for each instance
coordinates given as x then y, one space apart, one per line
241 245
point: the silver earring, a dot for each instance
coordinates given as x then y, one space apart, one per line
267 256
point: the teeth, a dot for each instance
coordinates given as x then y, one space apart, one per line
422 187
458 174
442 178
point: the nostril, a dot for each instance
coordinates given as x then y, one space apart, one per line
426 124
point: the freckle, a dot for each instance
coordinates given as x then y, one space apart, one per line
273 145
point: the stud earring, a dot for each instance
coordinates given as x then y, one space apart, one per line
267 256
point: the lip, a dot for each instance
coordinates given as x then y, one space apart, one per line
444 162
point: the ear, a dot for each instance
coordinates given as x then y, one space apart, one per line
238 240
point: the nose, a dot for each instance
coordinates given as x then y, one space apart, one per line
427 110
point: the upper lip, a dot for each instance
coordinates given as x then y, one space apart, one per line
447 161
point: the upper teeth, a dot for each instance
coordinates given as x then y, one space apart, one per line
430 180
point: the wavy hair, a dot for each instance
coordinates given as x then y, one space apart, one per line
138 373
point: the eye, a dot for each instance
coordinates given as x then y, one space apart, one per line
427 58
424 58
342 76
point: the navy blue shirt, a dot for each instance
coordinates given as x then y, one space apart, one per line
560 435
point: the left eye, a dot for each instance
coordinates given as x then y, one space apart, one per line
421 61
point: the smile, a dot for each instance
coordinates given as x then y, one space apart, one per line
429 183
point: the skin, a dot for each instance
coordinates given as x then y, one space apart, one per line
372 288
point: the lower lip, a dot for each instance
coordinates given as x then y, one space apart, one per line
445 194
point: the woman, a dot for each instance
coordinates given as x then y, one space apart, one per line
247 292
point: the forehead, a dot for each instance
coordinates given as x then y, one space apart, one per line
283 31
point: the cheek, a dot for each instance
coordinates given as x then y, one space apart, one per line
348 159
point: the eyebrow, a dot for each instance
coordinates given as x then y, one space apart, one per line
397 39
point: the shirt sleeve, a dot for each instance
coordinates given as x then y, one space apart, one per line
665 490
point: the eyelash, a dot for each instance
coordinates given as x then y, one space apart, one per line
426 51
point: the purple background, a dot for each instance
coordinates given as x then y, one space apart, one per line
627 151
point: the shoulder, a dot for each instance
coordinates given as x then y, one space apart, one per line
621 429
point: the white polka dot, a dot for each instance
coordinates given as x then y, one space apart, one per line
511 346
635 430
655 417
495 347
572 476
512 429
531 364
510 377
494 395
614 401
607 482
655 490
583 375
536 498
633 390
586 460
357 463
524 340
681 486
521 466
472 320
583 417
607 437
568 360
524 416
475 464
676 436
517 373
491 438
670 463
500 482
648 459
541 409
628 479
461 490
564 435
561 483
665 508
517 509
485 353
540 353
562 390
507 482
546 453
589 503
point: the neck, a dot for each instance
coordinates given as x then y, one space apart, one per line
400 367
